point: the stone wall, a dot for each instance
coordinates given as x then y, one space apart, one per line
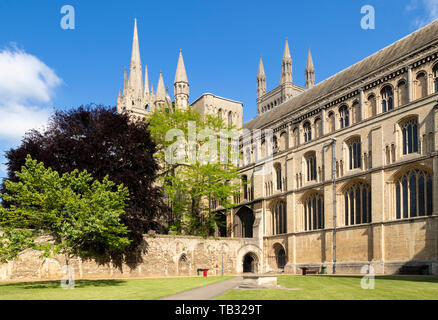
166 256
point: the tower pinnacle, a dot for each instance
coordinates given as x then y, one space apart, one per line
309 72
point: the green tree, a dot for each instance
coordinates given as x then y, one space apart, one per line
68 214
189 150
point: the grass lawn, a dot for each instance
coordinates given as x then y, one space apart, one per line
144 289
343 288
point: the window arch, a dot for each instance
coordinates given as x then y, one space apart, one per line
310 158
435 77
356 111
372 105
357 204
279 218
220 113
307 131
354 153
230 119
413 194
314 211
421 85
275 142
409 130
402 93
331 121
387 98
318 128
283 141
295 137
245 187
344 118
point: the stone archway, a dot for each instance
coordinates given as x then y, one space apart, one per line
183 265
244 223
250 263
280 255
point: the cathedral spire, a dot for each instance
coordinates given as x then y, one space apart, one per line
181 85
146 80
286 65
261 80
125 82
135 75
161 93
309 72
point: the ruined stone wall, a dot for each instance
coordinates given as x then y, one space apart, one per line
165 256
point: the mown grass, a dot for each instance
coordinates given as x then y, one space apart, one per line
132 289
343 288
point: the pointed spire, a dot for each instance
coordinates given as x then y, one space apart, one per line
135 74
146 80
152 89
180 75
286 52
125 82
309 65
261 71
286 66
161 93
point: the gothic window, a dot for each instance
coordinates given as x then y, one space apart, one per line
409 136
314 212
283 141
311 166
317 128
331 121
245 187
278 175
279 218
372 105
402 93
344 120
248 156
275 142
220 113
357 204
307 131
356 111
387 98
421 89
295 137
435 77
354 153
413 194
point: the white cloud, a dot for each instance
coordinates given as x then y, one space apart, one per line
430 8
26 88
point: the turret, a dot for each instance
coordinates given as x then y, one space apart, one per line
181 85
309 72
286 66
261 80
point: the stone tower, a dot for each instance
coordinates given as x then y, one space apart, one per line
309 72
181 85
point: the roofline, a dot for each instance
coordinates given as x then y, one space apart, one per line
211 94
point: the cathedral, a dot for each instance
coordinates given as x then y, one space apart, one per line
354 174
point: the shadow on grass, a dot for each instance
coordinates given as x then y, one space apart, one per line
56 284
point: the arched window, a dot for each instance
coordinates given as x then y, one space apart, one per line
413 194
356 111
314 212
307 131
311 166
372 105
283 141
263 151
248 156
295 137
275 142
402 93
279 219
357 204
245 187
409 136
278 175
344 119
318 132
230 119
220 113
387 98
435 77
331 121
421 89
354 153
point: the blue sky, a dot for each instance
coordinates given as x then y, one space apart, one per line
43 67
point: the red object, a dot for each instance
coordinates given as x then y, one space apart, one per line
205 272
304 271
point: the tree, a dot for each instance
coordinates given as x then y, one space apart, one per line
70 214
97 139
191 171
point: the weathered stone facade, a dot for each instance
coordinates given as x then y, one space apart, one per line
165 256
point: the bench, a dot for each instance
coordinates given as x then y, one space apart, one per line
413 269
310 270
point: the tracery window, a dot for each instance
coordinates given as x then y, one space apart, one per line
311 166
314 212
278 176
402 93
354 152
387 99
435 77
371 105
344 119
410 136
357 204
413 194
307 132
421 89
279 218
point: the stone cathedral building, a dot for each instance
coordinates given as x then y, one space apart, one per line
355 159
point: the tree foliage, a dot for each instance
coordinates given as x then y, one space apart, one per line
97 139
197 177
70 214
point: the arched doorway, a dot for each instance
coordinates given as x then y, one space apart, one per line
183 265
250 263
280 256
244 223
